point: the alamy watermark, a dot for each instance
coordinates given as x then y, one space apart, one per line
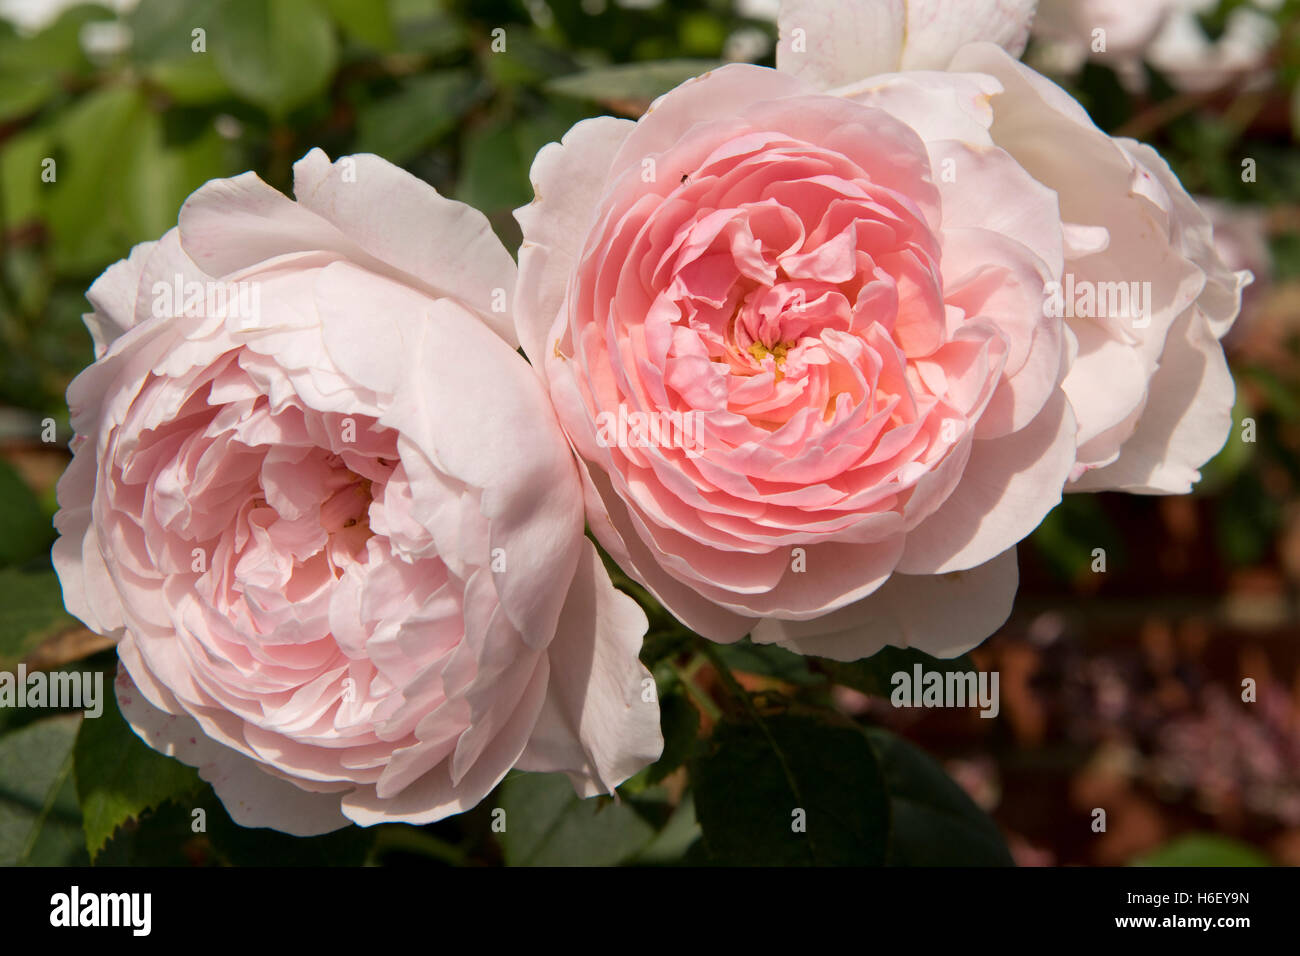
1085 299
75 908
64 690
922 688
624 429
219 300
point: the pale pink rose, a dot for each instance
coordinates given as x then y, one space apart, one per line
842 284
335 524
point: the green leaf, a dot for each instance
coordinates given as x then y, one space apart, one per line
1203 849
163 29
367 21
84 206
39 821
31 609
424 109
674 840
767 660
22 93
191 80
119 776
873 674
932 820
497 154
32 68
20 175
630 87
494 172
277 55
162 43
547 824
25 532
426 26
757 777
1067 536
527 61
123 172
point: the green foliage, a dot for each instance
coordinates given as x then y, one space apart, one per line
1203 849
119 776
767 660
25 531
932 822
872 674
40 823
277 55
632 83
31 609
547 824
1067 536
419 112
791 791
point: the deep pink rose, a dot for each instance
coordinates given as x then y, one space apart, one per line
333 520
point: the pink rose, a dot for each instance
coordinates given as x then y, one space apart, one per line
325 507
802 337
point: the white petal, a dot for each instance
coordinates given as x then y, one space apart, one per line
844 42
596 725
1187 418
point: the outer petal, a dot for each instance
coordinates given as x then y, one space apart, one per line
941 614
386 221
846 41
595 725
1187 418
403 221
435 795
88 591
610 523
1009 486
568 179
937 104
113 296
252 797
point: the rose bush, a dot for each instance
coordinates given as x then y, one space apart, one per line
339 532
842 277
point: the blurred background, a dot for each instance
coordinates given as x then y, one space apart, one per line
1120 688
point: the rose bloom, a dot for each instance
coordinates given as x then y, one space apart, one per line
331 516
840 277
